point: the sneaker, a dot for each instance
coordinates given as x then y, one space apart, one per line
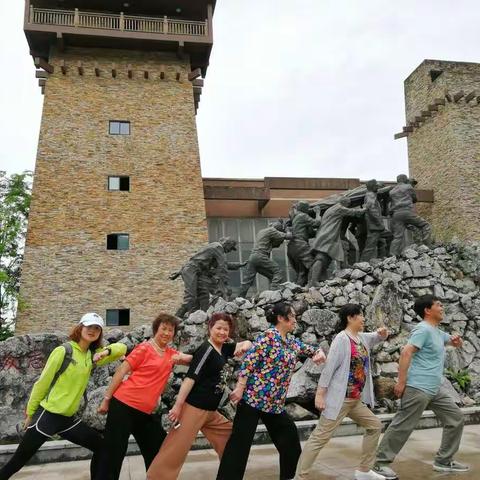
385 472
450 467
370 475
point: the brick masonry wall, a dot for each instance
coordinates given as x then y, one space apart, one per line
444 152
67 269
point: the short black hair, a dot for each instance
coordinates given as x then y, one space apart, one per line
279 309
423 302
348 310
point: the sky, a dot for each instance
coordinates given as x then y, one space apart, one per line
309 88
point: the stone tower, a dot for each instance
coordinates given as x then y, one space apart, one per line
443 129
118 198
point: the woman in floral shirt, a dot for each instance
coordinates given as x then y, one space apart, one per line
261 390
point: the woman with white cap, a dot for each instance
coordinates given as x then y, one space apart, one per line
56 396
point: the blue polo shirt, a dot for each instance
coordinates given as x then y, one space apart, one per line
426 369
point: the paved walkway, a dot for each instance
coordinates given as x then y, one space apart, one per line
336 461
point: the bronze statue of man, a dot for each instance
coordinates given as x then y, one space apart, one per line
200 270
402 200
299 251
327 245
374 222
260 262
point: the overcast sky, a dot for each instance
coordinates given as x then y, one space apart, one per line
305 88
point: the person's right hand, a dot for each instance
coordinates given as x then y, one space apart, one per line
174 413
103 408
320 402
398 389
27 421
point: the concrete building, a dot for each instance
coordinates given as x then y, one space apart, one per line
442 101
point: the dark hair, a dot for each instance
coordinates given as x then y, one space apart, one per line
279 309
423 302
167 319
348 310
226 317
76 335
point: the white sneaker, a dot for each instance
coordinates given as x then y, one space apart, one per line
370 475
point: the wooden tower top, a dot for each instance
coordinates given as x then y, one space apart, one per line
182 26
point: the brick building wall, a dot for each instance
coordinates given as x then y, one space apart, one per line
444 148
67 269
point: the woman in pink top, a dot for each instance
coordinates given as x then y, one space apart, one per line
130 402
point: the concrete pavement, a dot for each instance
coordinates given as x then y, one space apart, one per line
336 461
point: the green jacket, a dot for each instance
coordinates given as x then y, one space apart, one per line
67 393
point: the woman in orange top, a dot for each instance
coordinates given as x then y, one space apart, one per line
130 403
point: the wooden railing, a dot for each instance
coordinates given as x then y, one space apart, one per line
121 22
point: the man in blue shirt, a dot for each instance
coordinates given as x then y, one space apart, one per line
419 385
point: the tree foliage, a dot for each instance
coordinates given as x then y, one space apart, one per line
15 195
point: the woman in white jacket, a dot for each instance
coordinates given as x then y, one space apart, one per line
344 390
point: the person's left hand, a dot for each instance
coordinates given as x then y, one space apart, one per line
319 357
383 332
456 341
104 406
243 349
100 355
237 394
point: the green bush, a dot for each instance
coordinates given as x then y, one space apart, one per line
460 377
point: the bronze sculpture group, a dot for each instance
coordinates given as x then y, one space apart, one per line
361 224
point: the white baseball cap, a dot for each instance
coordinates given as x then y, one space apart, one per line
91 319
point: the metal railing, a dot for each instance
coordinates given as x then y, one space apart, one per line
121 22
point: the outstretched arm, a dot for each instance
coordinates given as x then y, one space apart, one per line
185 389
182 359
120 373
242 347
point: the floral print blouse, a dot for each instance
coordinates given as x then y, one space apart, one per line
268 367
358 370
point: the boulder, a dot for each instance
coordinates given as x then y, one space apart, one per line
386 307
383 387
324 321
299 413
197 318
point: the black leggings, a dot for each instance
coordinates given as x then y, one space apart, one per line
122 421
282 431
44 426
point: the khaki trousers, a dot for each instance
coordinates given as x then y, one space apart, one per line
171 457
361 415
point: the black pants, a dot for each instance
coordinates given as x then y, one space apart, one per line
282 431
122 421
44 426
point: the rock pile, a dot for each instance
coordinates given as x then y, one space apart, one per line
385 288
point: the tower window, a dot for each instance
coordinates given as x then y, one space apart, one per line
117 127
118 317
119 183
118 241
434 74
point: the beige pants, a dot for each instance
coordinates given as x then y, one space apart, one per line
169 460
361 415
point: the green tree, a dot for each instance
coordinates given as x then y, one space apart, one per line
15 195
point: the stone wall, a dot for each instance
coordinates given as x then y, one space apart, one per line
386 288
444 148
67 270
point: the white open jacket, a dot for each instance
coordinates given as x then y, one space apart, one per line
337 368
